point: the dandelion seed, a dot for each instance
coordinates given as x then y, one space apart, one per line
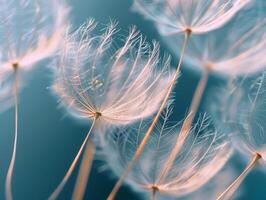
202 155
97 81
237 49
245 122
216 185
30 32
210 190
201 16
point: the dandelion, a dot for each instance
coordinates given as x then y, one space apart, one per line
237 49
210 190
202 155
109 79
30 32
246 123
216 185
189 17
176 16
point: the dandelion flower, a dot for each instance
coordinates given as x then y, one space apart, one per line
201 16
30 31
109 78
245 122
211 189
121 84
237 49
202 155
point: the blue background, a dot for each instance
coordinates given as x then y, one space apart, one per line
48 140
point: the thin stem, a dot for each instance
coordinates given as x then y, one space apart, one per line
196 99
156 118
60 187
228 193
8 183
154 191
84 172
187 123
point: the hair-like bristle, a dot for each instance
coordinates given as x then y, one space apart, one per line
120 77
199 17
200 158
237 49
30 32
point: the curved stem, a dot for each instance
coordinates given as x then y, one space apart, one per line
228 193
60 187
84 172
8 183
187 123
156 118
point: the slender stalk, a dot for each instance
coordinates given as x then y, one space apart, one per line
187 123
156 118
154 191
60 187
196 100
84 172
8 183
228 193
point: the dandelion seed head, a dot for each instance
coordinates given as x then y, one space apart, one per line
251 129
213 188
243 116
30 31
100 70
201 16
203 154
237 49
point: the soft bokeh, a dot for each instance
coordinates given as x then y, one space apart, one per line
50 139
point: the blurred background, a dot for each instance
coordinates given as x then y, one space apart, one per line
49 140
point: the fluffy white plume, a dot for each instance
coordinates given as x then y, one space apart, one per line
30 31
199 16
239 48
202 155
119 78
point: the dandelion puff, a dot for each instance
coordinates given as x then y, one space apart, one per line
215 186
30 32
175 16
109 78
202 155
95 77
242 49
245 123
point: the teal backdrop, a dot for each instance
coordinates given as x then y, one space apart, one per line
49 139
